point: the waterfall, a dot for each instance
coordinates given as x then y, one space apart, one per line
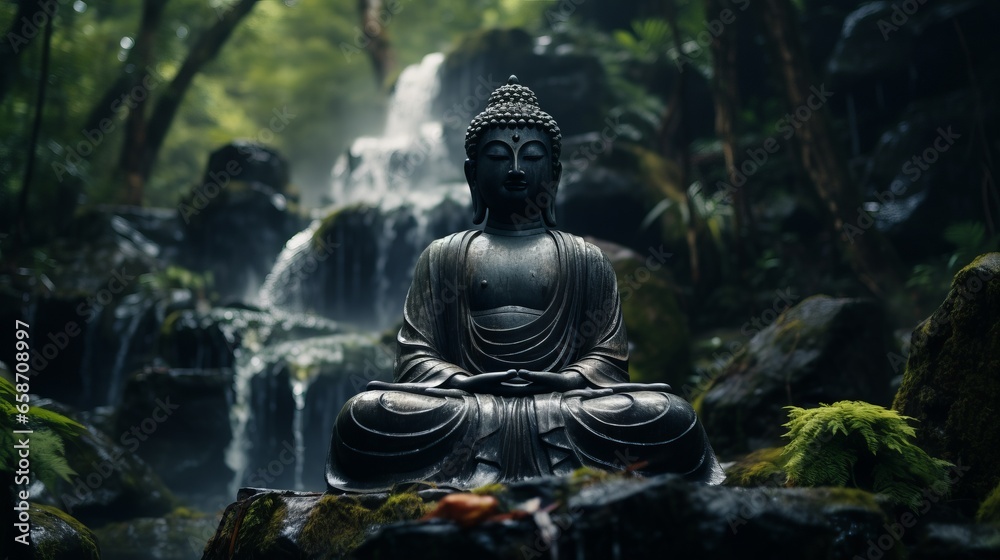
393 194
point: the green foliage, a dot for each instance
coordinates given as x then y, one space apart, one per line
176 277
338 524
969 239
763 467
854 443
989 510
48 460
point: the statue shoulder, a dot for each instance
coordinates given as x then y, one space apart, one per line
445 246
592 252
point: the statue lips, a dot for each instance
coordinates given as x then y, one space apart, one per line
515 186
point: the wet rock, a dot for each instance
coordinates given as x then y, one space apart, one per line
891 54
642 518
273 524
945 541
183 418
55 535
590 514
85 316
951 384
111 483
238 218
179 536
822 350
293 392
195 339
917 167
355 265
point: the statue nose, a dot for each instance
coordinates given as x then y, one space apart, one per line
515 174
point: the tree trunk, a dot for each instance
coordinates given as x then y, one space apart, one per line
16 41
135 126
378 47
204 50
871 257
675 141
21 227
726 93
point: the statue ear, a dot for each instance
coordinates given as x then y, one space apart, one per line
549 215
478 204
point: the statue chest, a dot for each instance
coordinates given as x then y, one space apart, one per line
519 272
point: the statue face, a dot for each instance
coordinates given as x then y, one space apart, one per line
514 166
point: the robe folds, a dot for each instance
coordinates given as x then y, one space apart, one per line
463 440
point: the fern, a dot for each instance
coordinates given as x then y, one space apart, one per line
48 458
854 443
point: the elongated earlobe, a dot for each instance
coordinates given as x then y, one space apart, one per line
478 204
549 214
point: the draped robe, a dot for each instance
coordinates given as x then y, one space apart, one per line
466 440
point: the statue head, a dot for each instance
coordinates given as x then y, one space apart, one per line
513 156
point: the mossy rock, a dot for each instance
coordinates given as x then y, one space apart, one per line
289 525
181 535
822 350
56 535
111 482
659 339
989 510
952 379
763 467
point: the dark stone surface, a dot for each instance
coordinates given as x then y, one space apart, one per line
189 411
237 219
952 380
822 350
56 535
111 482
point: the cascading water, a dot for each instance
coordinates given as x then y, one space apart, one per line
394 194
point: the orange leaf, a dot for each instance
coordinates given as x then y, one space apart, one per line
465 510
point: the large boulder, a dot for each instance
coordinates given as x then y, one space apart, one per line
355 265
588 515
658 335
183 418
952 379
237 219
55 535
111 483
178 536
822 350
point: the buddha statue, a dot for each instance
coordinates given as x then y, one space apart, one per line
512 361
